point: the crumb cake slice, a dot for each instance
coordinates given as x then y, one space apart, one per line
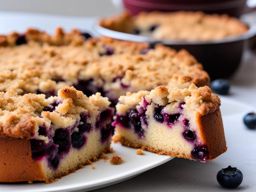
46 138
183 26
179 120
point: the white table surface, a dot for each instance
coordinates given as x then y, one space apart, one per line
243 89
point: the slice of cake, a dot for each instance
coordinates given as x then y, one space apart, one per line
178 120
43 139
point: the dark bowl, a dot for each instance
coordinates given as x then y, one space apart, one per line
220 58
231 7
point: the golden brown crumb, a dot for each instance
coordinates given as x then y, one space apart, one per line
116 160
139 152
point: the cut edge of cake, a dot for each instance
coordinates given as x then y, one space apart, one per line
177 120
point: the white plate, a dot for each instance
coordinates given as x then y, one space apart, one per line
106 174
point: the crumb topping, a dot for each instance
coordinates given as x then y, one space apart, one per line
139 152
189 26
200 99
21 115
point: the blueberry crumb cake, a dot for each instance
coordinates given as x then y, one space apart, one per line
180 120
58 92
184 26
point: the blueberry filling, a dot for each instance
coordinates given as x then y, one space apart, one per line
106 132
171 119
21 40
136 31
104 118
52 106
123 120
189 135
152 28
47 94
77 140
158 114
42 131
83 126
39 148
88 87
200 152
186 123
107 51
62 139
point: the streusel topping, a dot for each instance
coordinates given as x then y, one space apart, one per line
188 26
46 66
20 116
201 99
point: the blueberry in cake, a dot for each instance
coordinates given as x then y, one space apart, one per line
184 26
180 120
45 138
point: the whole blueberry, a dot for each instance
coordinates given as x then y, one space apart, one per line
86 35
221 86
230 177
250 120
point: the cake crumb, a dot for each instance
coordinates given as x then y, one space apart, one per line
116 160
116 138
140 152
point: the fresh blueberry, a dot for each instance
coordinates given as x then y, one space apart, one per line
86 35
77 140
62 139
230 177
221 86
189 135
250 120
157 114
200 153
21 40
153 27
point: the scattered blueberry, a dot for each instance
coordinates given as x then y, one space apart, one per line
200 153
186 123
158 116
62 139
153 27
230 177
104 117
54 161
86 35
83 126
77 140
21 40
189 135
221 86
250 120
